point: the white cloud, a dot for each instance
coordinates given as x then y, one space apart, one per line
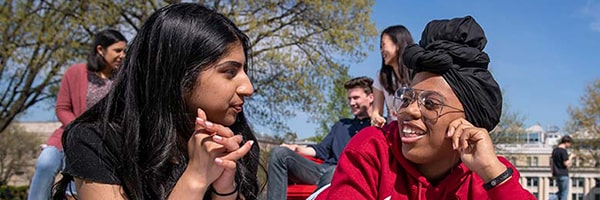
592 9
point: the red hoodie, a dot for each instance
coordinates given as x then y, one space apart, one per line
373 167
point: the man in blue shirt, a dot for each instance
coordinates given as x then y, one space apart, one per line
286 162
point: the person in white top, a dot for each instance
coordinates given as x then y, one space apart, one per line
392 75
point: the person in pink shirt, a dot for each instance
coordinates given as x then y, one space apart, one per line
82 86
439 148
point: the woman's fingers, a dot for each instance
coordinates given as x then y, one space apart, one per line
200 113
227 164
207 144
210 128
475 148
220 130
201 125
378 121
465 138
231 144
200 117
452 127
453 133
220 141
229 161
221 146
456 130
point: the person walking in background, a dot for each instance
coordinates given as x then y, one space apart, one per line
286 162
81 87
393 73
561 161
173 125
440 146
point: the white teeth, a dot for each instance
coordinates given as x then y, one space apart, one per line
411 131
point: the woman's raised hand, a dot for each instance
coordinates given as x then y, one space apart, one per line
223 148
377 120
476 149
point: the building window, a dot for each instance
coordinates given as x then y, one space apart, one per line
533 181
528 161
533 138
577 196
535 194
577 182
535 161
552 182
596 196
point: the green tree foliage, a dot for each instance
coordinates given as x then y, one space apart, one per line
335 109
39 40
584 124
18 149
510 128
298 48
13 192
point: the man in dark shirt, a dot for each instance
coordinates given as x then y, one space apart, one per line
286 160
560 162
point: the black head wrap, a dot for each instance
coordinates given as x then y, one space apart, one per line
454 49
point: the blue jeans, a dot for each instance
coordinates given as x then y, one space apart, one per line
285 163
49 163
563 187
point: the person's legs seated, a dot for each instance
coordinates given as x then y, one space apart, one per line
326 177
48 164
285 163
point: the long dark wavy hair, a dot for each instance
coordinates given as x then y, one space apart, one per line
401 38
144 119
105 38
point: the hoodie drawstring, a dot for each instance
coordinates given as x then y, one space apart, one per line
419 189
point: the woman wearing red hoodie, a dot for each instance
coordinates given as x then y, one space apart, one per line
440 147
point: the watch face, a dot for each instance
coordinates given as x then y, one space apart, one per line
493 183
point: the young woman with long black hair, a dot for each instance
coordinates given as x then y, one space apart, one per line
393 73
173 126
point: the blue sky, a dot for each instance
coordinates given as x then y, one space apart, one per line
543 52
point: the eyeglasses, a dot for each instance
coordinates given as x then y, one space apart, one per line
430 103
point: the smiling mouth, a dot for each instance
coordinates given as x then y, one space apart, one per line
411 134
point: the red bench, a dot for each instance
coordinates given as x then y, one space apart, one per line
297 191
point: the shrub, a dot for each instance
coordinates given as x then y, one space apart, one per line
13 192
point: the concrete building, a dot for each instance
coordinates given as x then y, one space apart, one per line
532 155
43 130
